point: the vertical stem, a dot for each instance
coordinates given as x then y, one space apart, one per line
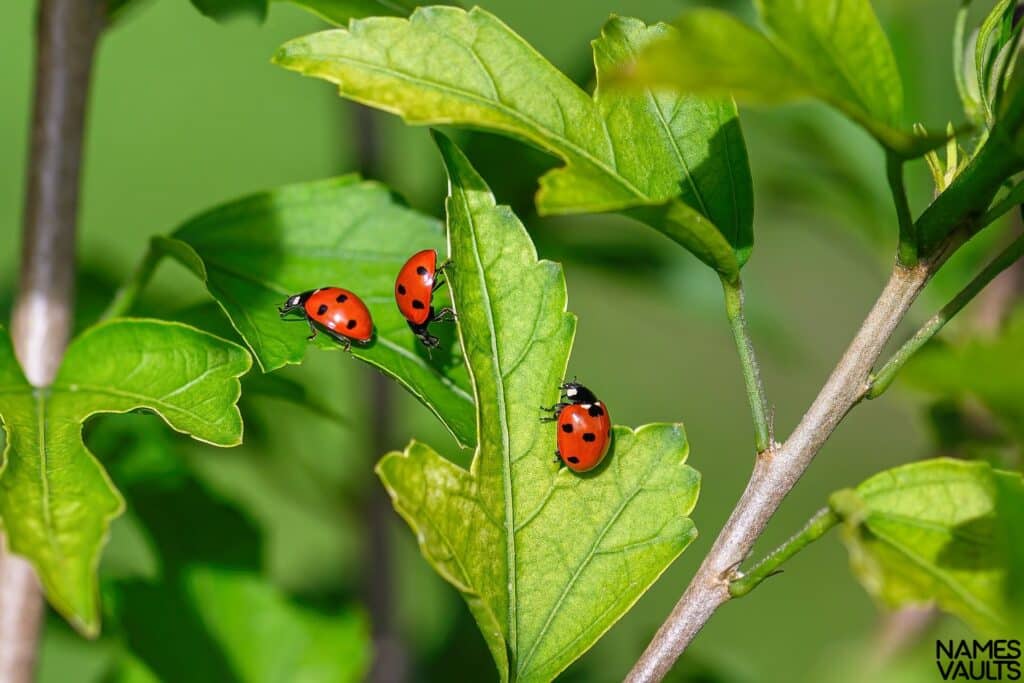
389 663
748 362
67 33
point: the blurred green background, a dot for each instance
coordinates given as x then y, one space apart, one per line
186 113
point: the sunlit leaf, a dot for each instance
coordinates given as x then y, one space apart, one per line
56 500
931 532
254 252
497 532
678 161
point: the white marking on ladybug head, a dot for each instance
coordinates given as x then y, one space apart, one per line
294 301
571 391
586 406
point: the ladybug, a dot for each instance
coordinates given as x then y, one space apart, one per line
414 292
341 313
584 428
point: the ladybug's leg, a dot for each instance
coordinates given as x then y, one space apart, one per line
442 315
555 411
312 328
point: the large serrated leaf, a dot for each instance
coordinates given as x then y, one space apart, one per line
621 150
932 531
834 50
254 252
531 546
55 498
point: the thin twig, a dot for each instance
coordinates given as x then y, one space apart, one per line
748 362
67 33
887 374
778 469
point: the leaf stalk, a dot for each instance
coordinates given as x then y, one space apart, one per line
884 377
748 362
820 524
128 293
907 252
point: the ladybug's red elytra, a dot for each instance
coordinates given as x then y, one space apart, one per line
414 293
341 313
584 428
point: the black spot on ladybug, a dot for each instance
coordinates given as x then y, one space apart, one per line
350 324
401 289
342 298
573 459
417 304
595 411
322 309
421 270
567 428
590 436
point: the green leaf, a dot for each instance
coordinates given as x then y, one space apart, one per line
221 10
988 370
254 252
834 50
680 156
56 500
265 637
930 532
340 12
532 546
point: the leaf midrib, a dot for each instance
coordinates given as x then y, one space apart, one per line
506 470
541 134
583 564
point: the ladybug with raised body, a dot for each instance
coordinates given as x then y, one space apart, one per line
341 313
414 293
584 428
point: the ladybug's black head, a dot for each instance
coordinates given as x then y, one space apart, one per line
577 393
294 302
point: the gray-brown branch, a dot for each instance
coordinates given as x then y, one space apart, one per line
67 33
777 470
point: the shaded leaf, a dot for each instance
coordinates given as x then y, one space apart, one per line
57 501
221 10
931 532
497 531
265 637
254 252
340 12
683 157
225 620
834 50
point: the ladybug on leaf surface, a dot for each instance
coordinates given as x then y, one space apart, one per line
584 428
341 314
414 293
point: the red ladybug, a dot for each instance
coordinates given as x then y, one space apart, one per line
584 428
341 313
414 292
